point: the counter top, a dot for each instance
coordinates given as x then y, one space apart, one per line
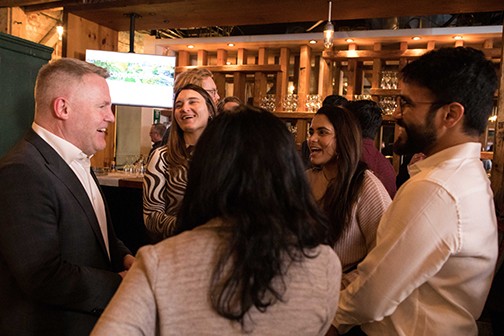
120 179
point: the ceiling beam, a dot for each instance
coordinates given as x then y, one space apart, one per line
171 14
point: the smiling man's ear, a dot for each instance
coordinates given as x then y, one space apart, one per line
60 108
453 114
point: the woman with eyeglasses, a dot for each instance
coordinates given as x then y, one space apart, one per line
166 175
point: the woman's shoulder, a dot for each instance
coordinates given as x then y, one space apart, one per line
373 188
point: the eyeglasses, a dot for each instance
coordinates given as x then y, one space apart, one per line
212 92
405 103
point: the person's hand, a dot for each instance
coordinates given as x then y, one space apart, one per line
123 274
417 157
128 261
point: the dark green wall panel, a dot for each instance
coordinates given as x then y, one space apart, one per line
20 61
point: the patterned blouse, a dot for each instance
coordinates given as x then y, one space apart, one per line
163 191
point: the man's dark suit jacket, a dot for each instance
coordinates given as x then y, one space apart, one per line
55 275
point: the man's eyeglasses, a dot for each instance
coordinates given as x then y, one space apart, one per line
404 103
212 92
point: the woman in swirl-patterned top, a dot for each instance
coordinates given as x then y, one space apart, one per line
166 176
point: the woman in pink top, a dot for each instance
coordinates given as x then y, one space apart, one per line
353 198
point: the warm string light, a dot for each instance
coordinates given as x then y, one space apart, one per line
329 30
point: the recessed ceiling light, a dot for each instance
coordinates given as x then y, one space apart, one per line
230 44
190 46
349 40
458 37
313 42
416 38
228 63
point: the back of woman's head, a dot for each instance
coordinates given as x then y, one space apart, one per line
246 170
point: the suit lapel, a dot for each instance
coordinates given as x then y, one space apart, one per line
65 174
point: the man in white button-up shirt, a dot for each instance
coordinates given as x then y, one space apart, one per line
60 261
436 248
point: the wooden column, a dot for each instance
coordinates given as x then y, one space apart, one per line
354 75
282 82
497 176
183 58
239 77
260 78
377 68
325 86
304 76
202 57
220 78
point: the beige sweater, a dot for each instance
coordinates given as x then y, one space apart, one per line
166 293
360 236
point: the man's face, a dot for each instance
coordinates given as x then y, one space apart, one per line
416 117
90 114
209 85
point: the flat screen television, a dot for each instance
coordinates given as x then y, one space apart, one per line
137 79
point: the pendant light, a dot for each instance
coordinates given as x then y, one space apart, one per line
329 30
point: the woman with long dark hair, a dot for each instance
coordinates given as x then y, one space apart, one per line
352 197
250 255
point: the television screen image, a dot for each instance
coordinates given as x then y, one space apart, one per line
137 79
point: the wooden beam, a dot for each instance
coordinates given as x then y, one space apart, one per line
341 55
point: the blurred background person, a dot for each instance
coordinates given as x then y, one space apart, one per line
228 104
166 175
156 134
200 77
331 100
250 256
369 115
352 197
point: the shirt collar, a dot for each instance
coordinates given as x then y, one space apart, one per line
464 151
68 151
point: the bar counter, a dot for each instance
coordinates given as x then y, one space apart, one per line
123 194
119 179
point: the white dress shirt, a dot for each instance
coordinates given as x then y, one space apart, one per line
436 249
80 164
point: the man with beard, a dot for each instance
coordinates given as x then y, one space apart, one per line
436 245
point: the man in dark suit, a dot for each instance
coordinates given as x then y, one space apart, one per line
60 261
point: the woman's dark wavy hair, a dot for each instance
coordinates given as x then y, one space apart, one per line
246 170
461 75
343 190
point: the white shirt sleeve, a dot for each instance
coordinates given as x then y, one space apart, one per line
412 245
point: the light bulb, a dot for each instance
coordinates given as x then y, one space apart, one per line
59 30
328 35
